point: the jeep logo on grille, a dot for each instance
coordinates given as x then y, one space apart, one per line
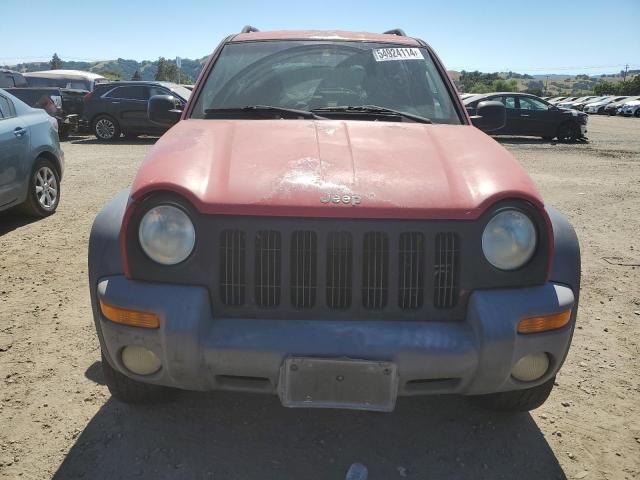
345 199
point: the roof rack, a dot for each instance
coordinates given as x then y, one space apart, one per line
396 31
249 29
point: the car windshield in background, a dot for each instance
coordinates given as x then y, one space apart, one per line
60 82
310 75
181 91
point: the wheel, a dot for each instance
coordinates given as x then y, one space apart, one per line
131 391
106 128
43 196
518 400
601 111
637 113
568 132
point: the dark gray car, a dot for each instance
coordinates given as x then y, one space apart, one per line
31 161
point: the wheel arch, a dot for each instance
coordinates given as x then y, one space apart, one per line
46 154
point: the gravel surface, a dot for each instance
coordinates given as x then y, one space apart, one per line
57 418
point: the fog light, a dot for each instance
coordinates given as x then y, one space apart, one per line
140 360
531 367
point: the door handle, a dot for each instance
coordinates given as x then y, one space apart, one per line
19 131
115 103
523 115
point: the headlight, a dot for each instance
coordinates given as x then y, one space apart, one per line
167 235
509 240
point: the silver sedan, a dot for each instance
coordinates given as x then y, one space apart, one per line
31 160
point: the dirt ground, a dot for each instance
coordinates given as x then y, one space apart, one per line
57 419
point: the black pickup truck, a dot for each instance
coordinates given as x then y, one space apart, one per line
62 103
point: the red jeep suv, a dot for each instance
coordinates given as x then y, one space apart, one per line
326 223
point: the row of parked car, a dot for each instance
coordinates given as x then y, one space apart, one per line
87 102
602 105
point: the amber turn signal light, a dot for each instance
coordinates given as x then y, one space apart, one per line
126 316
544 323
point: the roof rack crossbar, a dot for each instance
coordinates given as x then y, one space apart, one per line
396 31
249 29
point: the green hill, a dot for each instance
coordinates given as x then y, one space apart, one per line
120 68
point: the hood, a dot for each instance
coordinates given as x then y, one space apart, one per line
632 103
333 168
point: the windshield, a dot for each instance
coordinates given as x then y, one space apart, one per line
60 82
308 75
180 91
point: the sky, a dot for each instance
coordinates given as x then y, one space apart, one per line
535 37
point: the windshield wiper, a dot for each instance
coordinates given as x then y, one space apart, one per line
374 109
221 112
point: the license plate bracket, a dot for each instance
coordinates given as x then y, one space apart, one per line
338 383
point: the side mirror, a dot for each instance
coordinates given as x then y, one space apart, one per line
490 116
164 110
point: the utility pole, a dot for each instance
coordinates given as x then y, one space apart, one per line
546 80
624 75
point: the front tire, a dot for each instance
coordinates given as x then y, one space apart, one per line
131 391
43 196
637 113
568 132
517 400
106 128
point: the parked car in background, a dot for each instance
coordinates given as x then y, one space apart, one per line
529 115
327 224
631 109
31 160
613 107
555 100
117 108
583 103
57 102
600 105
466 95
10 79
570 103
74 79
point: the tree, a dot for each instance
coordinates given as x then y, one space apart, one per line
501 85
161 73
136 76
55 63
111 75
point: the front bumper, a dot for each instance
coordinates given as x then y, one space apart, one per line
201 352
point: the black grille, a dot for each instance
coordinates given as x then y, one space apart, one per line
232 271
339 269
304 269
375 270
446 270
274 269
268 268
411 275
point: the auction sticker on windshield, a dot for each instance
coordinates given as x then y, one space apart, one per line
388 54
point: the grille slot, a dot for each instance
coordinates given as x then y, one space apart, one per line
411 275
304 269
339 270
375 270
268 269
446 270
232 272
